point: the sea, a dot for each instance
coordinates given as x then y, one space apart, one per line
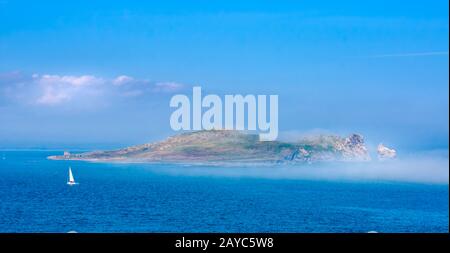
133 197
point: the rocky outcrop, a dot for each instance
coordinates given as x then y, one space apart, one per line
385 152
332 148
232 146
354 148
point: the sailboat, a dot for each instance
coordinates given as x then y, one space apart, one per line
71 179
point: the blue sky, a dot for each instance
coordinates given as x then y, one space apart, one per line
100 75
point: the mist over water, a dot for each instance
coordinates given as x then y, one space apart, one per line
423 167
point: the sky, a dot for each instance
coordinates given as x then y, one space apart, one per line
100 74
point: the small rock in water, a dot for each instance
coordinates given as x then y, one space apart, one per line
385 152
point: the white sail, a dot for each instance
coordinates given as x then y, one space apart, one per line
71 179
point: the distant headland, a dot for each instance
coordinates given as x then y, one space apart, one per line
227 146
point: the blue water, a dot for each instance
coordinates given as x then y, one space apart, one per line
34 197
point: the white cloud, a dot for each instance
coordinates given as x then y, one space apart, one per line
84 90
77 81
123 79
168 87
56 89
51 97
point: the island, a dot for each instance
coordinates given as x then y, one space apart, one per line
228 147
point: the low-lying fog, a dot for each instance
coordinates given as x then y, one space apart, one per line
424 167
